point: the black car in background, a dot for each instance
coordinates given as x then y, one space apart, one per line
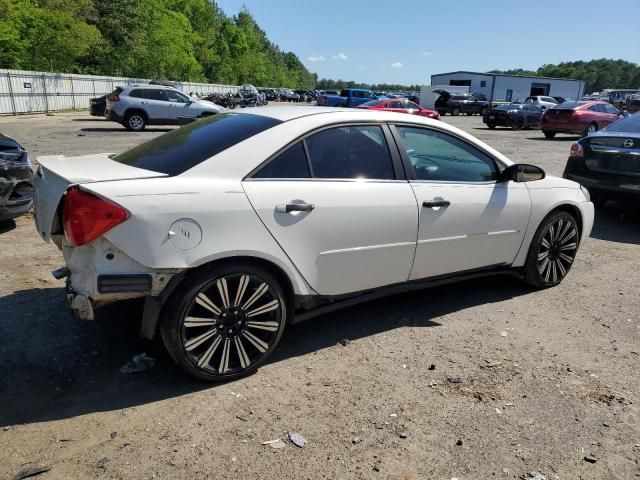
458 103
97 106
516 116
607 162
16 179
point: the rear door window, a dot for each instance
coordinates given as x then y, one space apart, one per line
183 148
350 152
137 93
154 94
292 163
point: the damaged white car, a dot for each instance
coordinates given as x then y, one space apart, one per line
235 225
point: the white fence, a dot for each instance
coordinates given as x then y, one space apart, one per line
24 91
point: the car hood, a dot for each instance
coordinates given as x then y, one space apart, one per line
8 143
208 104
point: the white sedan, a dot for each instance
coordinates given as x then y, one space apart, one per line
237 224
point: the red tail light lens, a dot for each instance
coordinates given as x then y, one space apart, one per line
113 98
576 151
86 216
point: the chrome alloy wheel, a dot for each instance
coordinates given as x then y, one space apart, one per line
557 250
231 323
136 122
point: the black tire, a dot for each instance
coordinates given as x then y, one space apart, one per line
517 124
549 134
484 111
135 121
442 113
591 128
232 105
469 114
553 250
455 111
491 125
221 341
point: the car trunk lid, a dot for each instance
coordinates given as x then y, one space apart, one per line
56 173
618 155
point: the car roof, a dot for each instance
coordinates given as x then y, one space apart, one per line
155 87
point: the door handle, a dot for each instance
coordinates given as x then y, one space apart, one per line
294 207
436 203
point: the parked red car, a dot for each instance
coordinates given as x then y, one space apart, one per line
582 118
400 105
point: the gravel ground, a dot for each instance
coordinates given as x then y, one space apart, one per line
484 379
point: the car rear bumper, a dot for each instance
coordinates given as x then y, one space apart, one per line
498 121
113 116
603 185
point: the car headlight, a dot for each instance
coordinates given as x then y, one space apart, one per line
585 192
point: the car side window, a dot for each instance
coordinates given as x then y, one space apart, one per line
600 108
154 94
413 106
292 163
350 152
612 110
176 97
138 93
532 108
394 105
441 157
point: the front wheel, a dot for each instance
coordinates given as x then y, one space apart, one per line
549 134
225 321
455 111
552 251
592 128
491 125
135 122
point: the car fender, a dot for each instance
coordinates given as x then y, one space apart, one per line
550 194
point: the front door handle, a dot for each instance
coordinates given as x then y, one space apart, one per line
436 203
294 207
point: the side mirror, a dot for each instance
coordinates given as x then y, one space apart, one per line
522 172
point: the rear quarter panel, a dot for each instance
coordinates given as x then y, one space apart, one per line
230 227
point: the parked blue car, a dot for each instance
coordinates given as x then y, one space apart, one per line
349 97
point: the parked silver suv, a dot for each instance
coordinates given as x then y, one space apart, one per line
136 106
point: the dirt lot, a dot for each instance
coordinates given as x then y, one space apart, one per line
546 378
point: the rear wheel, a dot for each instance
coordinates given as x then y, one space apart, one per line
135 122
225 321
491 125
455 111
552 251
517 124
549 134
469 114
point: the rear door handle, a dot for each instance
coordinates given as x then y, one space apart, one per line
294 207
436 203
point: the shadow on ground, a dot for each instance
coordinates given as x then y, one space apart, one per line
617 222
7 226
53 366
122 129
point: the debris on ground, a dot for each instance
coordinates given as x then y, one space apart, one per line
102 463
379 426
113 435
432 367
535 476
590 459
6 429
297 439
139 363
30 471
454 379
356 440
503 334
277 443
344 342
459 442
402 434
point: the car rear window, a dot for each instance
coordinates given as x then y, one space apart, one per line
509 107
183 148
629 124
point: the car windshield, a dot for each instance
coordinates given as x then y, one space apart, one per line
569 105
509 107
183 148
629 124
372 103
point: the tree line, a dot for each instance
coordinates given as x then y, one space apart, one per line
189 40
598 74
329 84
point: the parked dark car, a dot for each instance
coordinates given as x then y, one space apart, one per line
97 106
607 162
16 179
458 103
269 93
581 118
633 103
516 116
288 95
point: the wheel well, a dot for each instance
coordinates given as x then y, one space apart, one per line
136 110
271 267
573 211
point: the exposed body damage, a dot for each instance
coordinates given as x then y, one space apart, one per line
16 180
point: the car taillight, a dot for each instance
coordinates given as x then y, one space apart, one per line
86 216
113 98
576 151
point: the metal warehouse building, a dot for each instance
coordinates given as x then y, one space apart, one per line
500 87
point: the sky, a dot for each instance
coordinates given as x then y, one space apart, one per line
407 41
